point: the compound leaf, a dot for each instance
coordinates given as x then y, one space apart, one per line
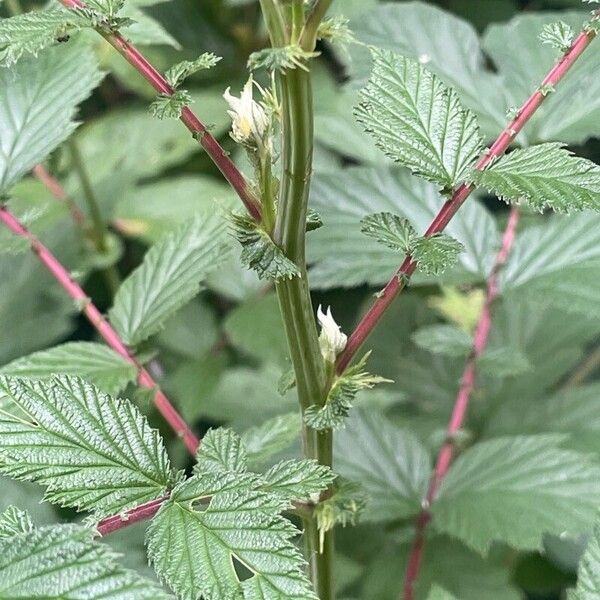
92 452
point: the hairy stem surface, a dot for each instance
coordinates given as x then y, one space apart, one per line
461 405
102 326
450 208
294 294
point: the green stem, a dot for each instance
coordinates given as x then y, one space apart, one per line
294 294
274 20
309 35
297 19
99 229
267 195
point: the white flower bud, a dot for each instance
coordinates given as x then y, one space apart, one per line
250 122
332 341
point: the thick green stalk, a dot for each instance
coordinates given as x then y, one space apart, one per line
99 230
294 294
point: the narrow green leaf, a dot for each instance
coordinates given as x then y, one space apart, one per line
491 489
38 100
91 452
94 362
169 277
547 175
63 561
418 121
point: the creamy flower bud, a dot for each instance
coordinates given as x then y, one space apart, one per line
250 122
332 341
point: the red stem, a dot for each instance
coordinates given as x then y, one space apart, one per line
450 208
200 132
57 190
139 513
461 405
110 336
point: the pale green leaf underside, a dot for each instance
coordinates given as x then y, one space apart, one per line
63 562
169 277
418 121
390 463
38 100
547 175
92 452
588 576
447 340
514 490
94 362
195 552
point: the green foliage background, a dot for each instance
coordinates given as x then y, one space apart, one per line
222 356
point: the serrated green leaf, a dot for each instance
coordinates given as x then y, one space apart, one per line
179 72
14 521
392 230
340 254
390 463
417 121
274 435
445 43
547 175
38 95
94 362
259 251
169 106
491 490
559 35
63 561
32 32
588 574
332 414
195 552
297 479
437 253
169 277
444 339
221 451
91 452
